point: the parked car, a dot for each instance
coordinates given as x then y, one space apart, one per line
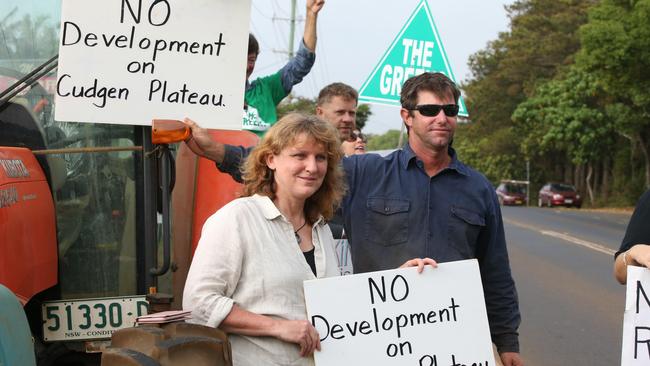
511 193
559 194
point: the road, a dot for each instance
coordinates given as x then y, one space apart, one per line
571 306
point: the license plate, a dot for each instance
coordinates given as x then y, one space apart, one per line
519 202
90 318
568 201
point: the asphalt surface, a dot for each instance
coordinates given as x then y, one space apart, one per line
571 305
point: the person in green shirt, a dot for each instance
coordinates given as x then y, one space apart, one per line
263 94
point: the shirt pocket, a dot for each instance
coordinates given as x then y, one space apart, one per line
387 220
464 229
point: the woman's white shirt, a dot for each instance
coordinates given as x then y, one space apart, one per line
248 255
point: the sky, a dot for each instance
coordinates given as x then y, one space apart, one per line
354 34
352 37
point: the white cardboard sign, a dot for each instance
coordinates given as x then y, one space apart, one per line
400 317
130 61
636 322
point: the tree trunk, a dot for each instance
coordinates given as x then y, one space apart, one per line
568 170
597 176
605 180
590 170
643 144
578 178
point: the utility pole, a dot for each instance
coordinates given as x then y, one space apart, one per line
292 28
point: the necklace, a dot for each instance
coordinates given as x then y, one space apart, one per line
295 232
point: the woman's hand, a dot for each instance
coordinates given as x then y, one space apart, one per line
300 332
420 263
638 255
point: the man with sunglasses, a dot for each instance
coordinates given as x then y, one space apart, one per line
422 201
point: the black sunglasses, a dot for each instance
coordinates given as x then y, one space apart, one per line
357 135
432 110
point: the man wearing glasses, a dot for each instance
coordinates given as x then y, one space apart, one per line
356 145
420 201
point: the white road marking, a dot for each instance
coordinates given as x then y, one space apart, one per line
566 237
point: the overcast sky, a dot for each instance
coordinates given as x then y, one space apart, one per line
354 34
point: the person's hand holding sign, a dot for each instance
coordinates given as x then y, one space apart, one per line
511 359
420 263
202 144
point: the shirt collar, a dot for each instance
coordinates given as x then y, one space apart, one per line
270 210
408 155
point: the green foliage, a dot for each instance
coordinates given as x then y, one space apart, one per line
363 113
616 50
567 114
542 41
299 104
568 88
388 140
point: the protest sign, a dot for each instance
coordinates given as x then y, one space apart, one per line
130 61
416 49
400 317
636 322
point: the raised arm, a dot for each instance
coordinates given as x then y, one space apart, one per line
309 36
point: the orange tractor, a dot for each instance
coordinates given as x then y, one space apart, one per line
96 221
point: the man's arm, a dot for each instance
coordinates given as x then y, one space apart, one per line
300 65
228 158
309 35
501 300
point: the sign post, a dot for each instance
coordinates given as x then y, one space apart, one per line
417 48
129 61
636 322
400 317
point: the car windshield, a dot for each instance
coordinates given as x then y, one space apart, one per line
515 188
563 188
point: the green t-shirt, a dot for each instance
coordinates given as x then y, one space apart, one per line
262 99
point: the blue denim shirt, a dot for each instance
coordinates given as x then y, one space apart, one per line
394 212
295 70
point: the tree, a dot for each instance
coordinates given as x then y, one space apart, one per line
299 104
568 114
387 141
616 50
363 113
542 41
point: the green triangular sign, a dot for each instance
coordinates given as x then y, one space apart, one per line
416 49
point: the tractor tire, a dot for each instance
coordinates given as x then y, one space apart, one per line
172 344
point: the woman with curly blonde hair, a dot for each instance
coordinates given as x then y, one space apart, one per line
254 253
259 177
